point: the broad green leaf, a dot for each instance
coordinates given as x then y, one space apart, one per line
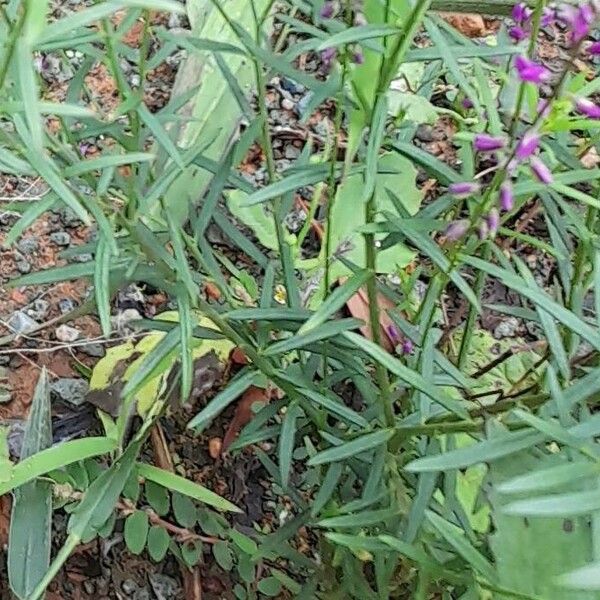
158 542
364 443
157 496
29 542
184 510
223 555
253 216
585 578
184 486
135 531
269 586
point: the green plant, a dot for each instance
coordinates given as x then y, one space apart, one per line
456 449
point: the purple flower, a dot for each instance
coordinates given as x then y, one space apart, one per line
493 221
358 58
482 230
588 108
566 14
543 107
457 229
407 347
327 10
582 22
541 171
393 334
594 49
327 56
517 33
488 143
548 16
531 71
467 103
529 143
507 198
521 12
463 189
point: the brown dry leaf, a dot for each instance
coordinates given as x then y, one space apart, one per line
358 306
469 24
591 158
238 357
212 291
215 446
243 412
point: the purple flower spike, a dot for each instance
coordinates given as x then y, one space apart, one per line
457 229
582 22
528 145
327 10
517 33
467 103
520 12
463 189
407 347
488 143
493 221
548 16
541 171
393 333
566 14
588 108
594 49
507 199
531 71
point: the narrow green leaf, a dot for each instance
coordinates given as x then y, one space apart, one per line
462 545
585 578
364 443
55 458
287 441
327 487
223 399
352 35
102 283
337 408
185 486
358 519
103 162
336 300
556 505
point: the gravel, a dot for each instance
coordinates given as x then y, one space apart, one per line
28 245
92 349
507 328
60 238
67 334
20 322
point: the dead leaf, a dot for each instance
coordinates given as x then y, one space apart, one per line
239 357
243 412
212 291
469 24
590 159
358 306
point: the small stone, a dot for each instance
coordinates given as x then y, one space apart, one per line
20 322
122 319
82 258
66 305
69 218
60 238
5 396
214 447
28 245
507 328
292 86
70 390
129 586
23 266
88 585
40 309
164 587
287 104
425 133
94 350
67 334
292 152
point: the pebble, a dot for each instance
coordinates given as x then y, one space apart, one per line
292 152
66 305
89 586
67 334
5 396
20 322
165 587
289 85
126 316
287 104
82 258
129 586
40 309
70 390
60 238
23 266
507 328
94 350
69 218
28 245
